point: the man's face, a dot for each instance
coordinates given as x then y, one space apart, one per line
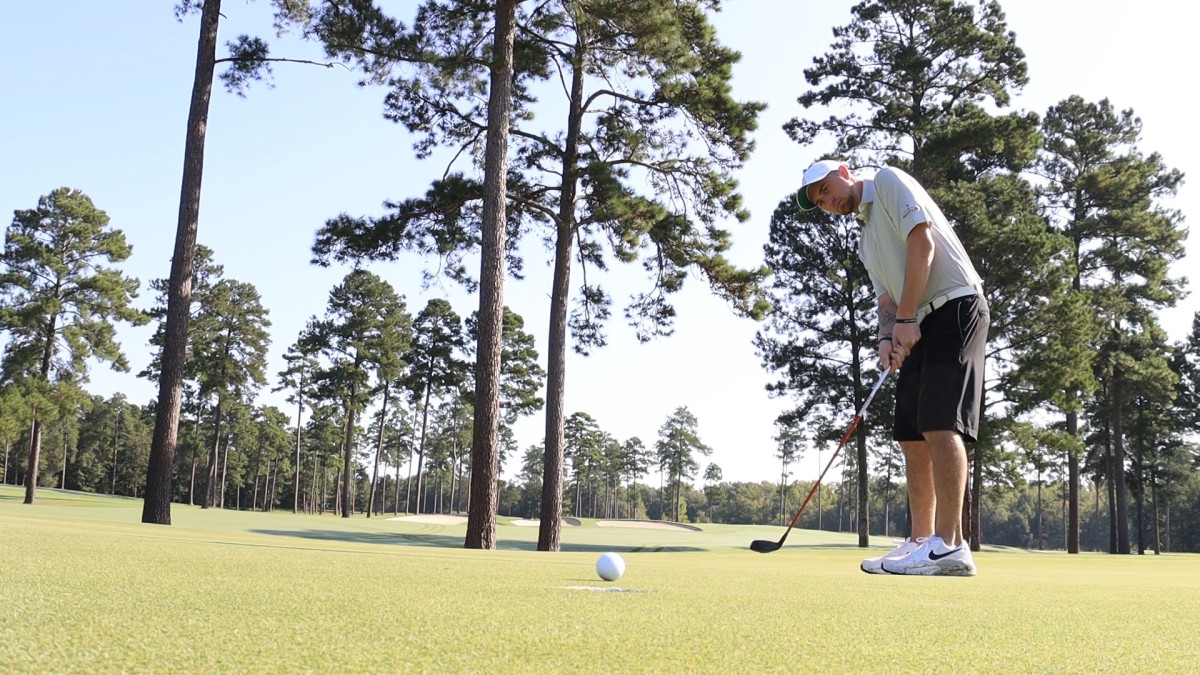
834 193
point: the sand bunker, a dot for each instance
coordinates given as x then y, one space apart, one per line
436 519
534 522
648 524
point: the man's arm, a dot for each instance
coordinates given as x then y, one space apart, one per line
886 309
918 260
888 356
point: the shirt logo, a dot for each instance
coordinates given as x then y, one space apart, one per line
912 208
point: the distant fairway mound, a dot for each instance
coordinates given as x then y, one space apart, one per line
534 522
433 519
647 524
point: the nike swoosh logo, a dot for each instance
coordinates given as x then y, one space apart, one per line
939 556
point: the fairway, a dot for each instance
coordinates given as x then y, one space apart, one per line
87 588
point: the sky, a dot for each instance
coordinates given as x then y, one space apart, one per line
94 96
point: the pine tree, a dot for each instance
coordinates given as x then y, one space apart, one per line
677 446
58 295
436 368
365 324
1102 196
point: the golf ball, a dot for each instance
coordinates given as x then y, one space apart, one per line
610 567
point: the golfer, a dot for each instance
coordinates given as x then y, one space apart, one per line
933 324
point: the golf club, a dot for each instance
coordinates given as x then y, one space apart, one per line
765 546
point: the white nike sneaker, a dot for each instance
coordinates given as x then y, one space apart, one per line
875 565
934 558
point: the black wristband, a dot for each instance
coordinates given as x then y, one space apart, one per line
909 320
887 338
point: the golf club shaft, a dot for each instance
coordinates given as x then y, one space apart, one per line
845 437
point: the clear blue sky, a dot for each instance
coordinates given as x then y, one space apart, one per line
94 96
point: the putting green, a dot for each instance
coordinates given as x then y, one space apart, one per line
86 587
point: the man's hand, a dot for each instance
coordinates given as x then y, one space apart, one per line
904 338
888 358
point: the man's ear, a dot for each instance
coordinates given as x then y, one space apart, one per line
843 171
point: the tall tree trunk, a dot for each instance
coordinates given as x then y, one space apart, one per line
662 494
63 477
116 440
1140 505
224 471
1112 497
820 511
1119 467
1073 487
485 450
35 438
214 458
323 487
299 416
580 482
156 507
387 389
453 479
1041 541
35 457
266 484
1167 524
348 456
1154 500
421 445
396 508
408 486
550 527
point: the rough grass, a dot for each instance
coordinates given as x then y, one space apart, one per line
85 587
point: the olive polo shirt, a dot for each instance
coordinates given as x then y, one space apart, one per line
893 203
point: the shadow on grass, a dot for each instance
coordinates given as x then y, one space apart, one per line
456 541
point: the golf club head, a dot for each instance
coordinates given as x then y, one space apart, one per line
764 546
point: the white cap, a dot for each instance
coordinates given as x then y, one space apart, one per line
813 174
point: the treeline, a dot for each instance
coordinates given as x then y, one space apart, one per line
379 385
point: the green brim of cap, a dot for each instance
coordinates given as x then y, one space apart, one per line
803 201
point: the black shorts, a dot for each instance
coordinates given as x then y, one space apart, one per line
941 382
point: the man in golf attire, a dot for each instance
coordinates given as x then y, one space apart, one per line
933 323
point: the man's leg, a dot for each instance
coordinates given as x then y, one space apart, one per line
949 459
919 472
936 467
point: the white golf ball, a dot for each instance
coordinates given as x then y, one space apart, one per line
610 567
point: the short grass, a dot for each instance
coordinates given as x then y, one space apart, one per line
85 587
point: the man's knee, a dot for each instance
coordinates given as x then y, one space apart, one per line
915 450
948 440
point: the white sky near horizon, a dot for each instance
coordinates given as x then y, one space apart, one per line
94 96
